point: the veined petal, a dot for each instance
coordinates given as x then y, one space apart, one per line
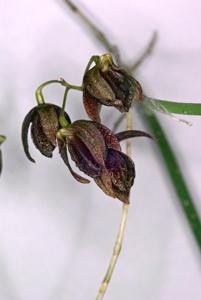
109 137
92 107
122 173
91 137
64 156
105 183
83 158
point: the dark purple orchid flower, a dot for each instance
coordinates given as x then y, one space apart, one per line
2 139
44 120
97 152
110 85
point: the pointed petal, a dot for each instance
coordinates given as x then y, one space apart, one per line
24 133
91 137
109 137
131 134
92 107
122 172
105 184
64 155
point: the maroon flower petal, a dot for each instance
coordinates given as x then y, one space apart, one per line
83 158
122 173
64 156
104 182
92 107
109 137
131 134
91 137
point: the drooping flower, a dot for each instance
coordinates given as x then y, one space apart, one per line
44 120
110 85
2 139
97 152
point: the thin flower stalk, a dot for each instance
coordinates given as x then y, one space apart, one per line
120 234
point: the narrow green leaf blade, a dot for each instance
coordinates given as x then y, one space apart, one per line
181 108
176 177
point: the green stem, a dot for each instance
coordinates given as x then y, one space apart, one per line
39 93
62 120
70 86
176 177
177 107
39 90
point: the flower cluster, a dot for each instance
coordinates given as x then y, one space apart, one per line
93 147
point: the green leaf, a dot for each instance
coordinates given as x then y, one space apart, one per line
176 177
181 108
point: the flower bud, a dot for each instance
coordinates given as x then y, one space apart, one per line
110 85
44 120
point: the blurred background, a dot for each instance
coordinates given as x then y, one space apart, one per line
56 235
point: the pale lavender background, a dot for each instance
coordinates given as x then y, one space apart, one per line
56 235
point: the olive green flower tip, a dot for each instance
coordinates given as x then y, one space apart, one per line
2 139
105 61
